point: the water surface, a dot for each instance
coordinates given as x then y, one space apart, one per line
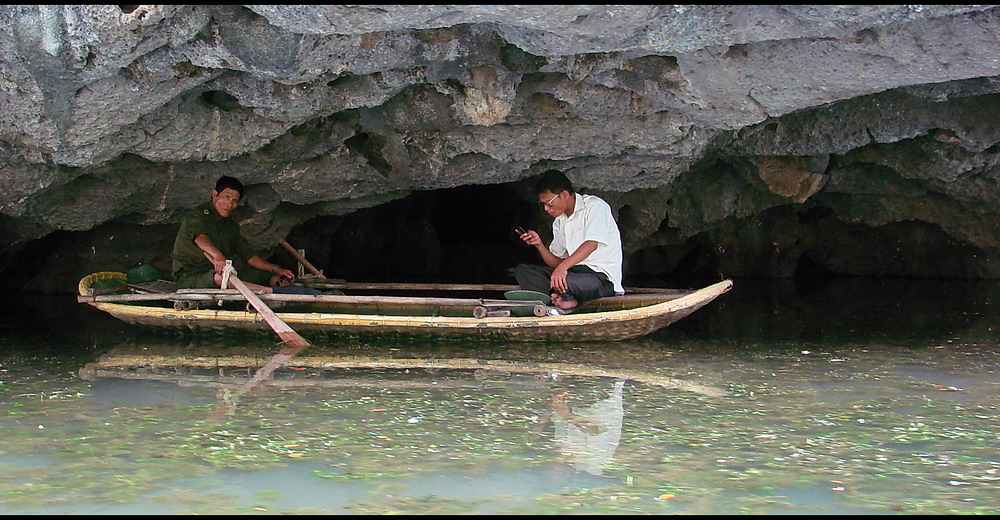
851 397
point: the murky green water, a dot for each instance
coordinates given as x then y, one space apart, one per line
858 397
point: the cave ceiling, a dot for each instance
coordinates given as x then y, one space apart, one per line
692 119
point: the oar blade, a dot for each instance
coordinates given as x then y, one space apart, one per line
293 340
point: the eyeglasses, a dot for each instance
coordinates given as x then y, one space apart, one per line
549 203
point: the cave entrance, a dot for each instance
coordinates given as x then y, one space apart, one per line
454 235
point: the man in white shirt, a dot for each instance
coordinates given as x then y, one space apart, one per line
584 260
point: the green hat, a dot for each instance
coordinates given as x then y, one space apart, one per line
144 273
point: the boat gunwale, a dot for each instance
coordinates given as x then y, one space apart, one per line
221 316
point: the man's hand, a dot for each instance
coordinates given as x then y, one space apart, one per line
558 279
531 238
218 261
283 275
212 253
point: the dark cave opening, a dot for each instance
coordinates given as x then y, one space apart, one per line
465 235
459 235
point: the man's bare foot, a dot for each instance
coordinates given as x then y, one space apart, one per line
279 281
565 305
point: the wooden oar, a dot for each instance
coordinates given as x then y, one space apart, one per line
293 343
287 335
295 254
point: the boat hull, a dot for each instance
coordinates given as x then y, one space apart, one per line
594 326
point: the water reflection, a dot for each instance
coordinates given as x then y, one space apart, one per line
235 371
589 435
775 403
414 414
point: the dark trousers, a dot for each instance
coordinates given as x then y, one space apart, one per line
584 283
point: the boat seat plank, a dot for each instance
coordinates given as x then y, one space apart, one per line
153 286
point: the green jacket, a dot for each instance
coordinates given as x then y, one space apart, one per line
188 258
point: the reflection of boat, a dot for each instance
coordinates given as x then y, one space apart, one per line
229 367
399 317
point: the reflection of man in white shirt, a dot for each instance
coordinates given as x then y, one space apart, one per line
584 260
590 436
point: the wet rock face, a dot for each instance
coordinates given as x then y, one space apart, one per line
733 140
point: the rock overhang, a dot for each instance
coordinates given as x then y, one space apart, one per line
113 116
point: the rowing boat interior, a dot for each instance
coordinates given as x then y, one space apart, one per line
389 299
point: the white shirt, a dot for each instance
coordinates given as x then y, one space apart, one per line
591 220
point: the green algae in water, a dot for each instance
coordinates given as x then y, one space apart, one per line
857 422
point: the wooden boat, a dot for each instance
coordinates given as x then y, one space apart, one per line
637 313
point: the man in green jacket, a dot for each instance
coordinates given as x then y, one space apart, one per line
208 237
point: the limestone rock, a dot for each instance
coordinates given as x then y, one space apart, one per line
692 120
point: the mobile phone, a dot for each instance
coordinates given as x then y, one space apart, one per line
520 230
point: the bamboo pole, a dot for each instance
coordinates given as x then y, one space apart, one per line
215 294
295 254
404 286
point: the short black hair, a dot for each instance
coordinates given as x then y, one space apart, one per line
553 181
229 182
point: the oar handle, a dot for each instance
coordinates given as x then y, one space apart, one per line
295 254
